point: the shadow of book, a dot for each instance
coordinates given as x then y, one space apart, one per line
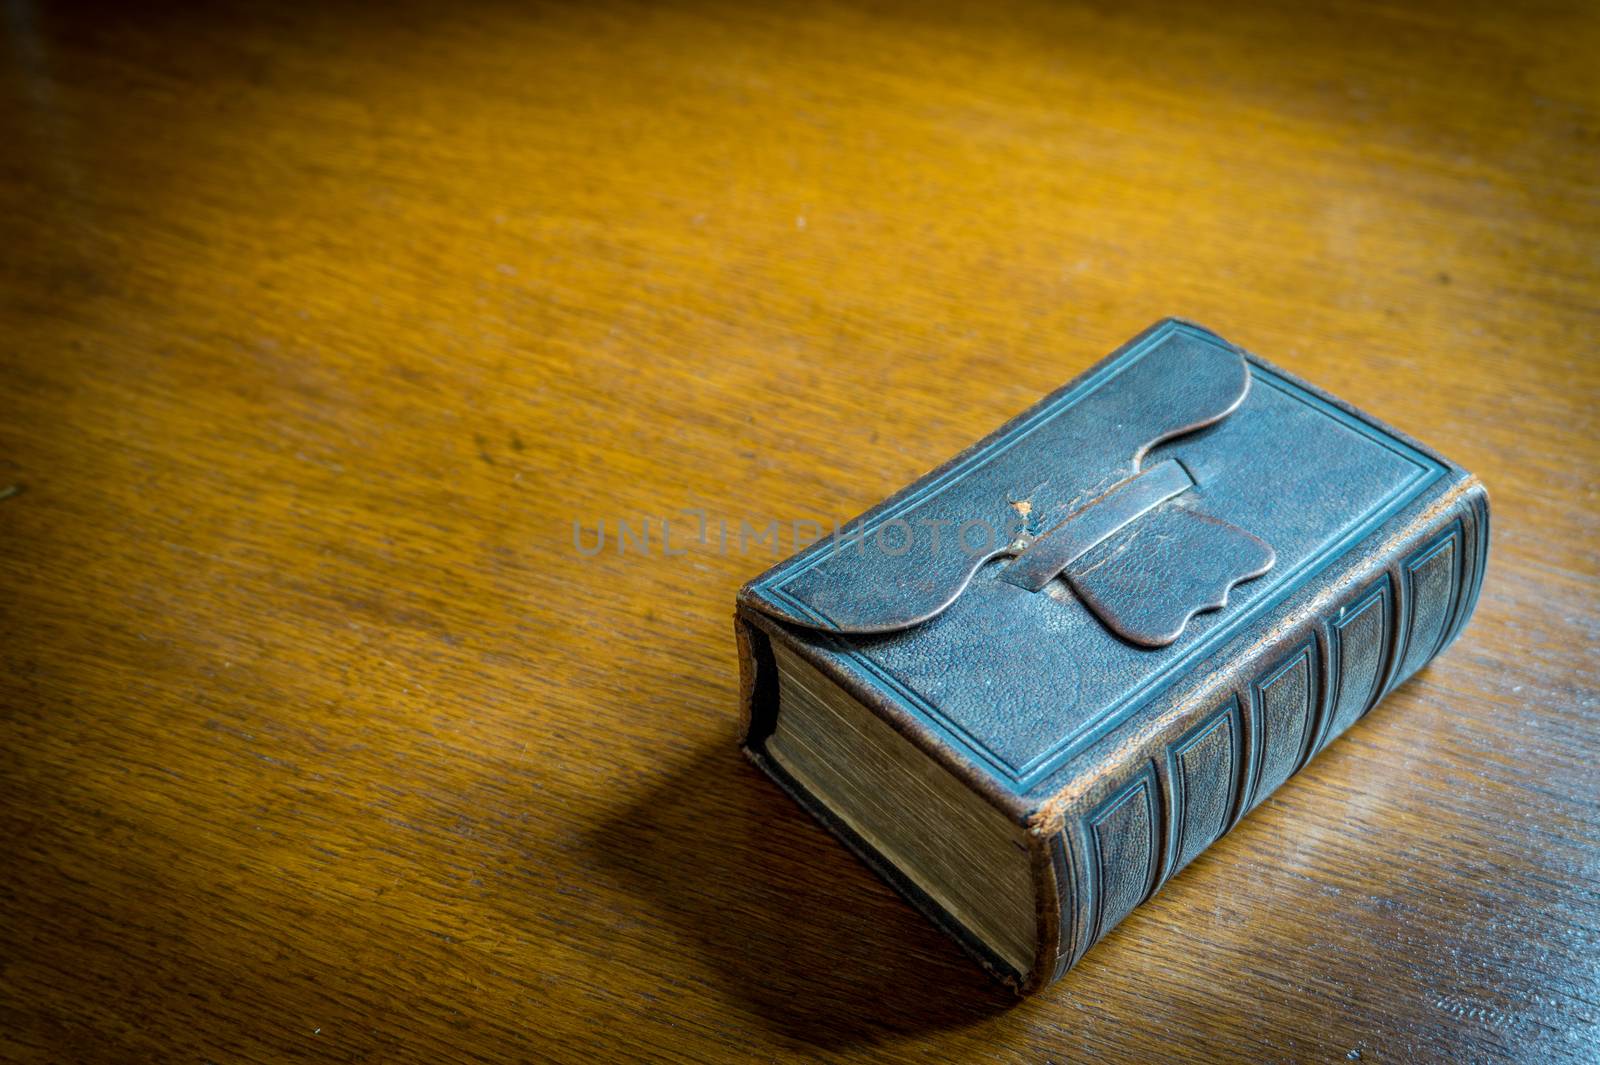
786 923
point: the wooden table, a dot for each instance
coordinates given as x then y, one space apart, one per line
323 325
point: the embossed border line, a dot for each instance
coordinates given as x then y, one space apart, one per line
1021 778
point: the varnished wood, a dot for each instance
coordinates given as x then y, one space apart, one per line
323 324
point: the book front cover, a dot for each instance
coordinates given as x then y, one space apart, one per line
927 599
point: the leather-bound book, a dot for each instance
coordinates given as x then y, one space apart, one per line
1030 687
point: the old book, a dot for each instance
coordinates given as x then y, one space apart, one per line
1030 687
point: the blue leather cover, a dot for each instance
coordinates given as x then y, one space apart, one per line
1137 608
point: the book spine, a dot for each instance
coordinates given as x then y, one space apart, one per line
1154 801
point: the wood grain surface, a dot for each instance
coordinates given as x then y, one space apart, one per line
324 323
